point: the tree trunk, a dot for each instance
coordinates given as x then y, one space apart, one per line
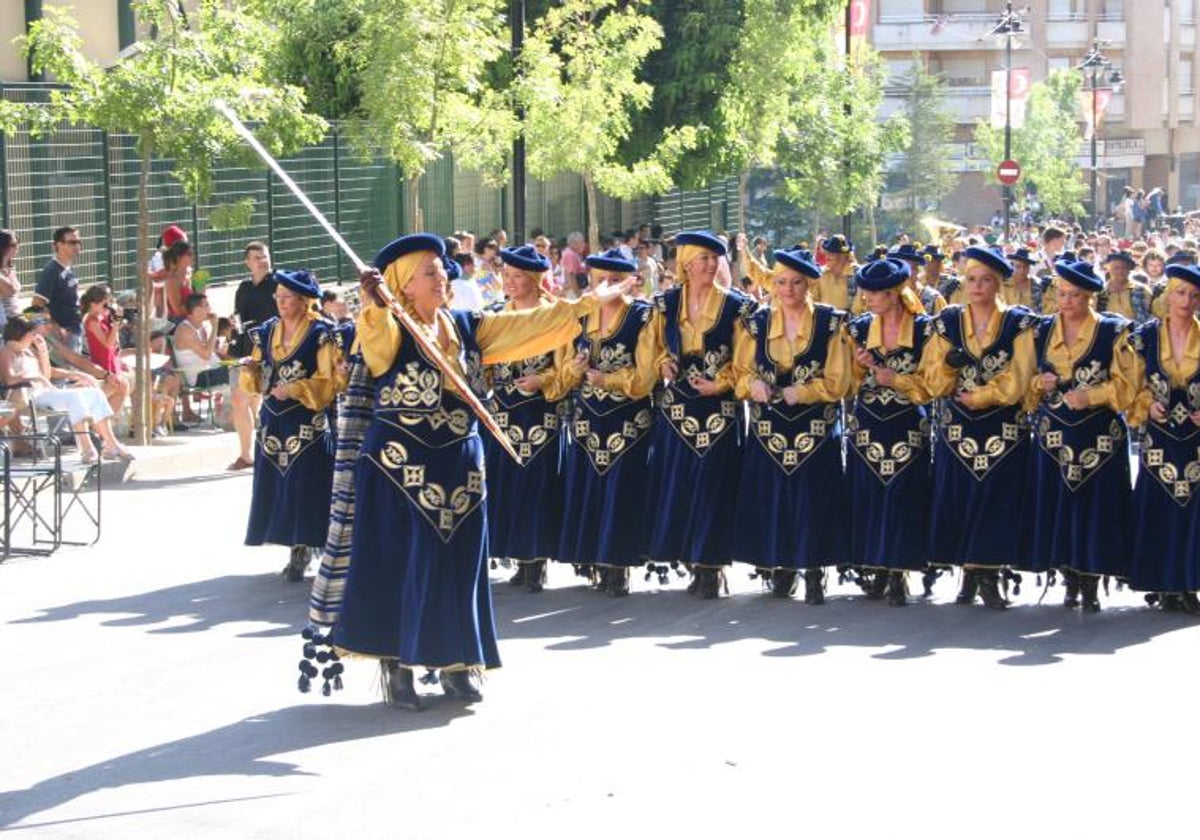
412 197
871 225
743 199
143 413
593 220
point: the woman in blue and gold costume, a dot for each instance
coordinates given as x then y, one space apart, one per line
887 461
525 517
416 588
295 363
697 436
1166 499
611 364
981 360
792 362
1080 495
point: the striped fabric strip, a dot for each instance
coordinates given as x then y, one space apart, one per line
354 415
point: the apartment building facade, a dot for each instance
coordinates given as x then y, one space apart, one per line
1150 135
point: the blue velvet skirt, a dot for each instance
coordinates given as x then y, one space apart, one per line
293 477
1166 513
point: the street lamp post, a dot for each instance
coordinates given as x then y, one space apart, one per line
1093 65
1009 26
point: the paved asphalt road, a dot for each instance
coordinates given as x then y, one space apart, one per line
149 691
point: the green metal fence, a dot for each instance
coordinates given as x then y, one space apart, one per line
87 178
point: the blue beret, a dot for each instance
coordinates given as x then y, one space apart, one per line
453 269
881 275
1021 255
992 258
1080 274
931 253
410 244
837 244
703 238
525 258
1067 257
612 260
1121 256
907 252
799 260
1182 257
300 281
1190 273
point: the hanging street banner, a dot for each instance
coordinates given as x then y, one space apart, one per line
1018 93
1103 98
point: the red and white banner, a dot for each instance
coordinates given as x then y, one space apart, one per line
1018 93
859 21
1097 107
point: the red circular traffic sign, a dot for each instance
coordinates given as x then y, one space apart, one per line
1008 172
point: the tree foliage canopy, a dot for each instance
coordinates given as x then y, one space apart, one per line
1047 146
925 165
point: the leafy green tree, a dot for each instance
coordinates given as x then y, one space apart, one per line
925 166
768 74
424 69
833 159
163 94
1047 146
579 83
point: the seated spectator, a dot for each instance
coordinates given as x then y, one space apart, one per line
25 365
102 330
196 341
10 285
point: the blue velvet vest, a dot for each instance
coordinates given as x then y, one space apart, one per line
1081 442
1170 451
531 422
700 421
606 424
290 428
981 439
789 434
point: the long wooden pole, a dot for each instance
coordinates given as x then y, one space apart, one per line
428 347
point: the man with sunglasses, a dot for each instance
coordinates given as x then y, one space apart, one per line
57 288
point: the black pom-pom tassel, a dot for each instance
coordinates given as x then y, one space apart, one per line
305 685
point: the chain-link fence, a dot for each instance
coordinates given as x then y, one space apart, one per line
89 179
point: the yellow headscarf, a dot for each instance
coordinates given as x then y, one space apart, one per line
980 264
910 301
399 273
684 257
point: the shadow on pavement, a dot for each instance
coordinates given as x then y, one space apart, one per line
1025 634
240 749
206 604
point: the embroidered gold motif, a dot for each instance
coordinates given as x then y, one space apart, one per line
979 456
1178 483
283 452
790 452
602 454
699 438
1077 468
414 387
872 392
884 461
289 372
531 440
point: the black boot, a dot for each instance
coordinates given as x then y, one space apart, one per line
1189 603
1071 579
897 589
617 580
876 586
293 572
969 588
708 582
783 583
989 589
1089 589
601 578
518 578
398 690
463 684
814 587
535 575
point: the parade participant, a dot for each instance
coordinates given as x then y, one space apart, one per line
792 362
1122 296
948 284
931 299
836 286
1080 495
295 366
697 435
1021 289
1166 543
981 358
525 516
887 460
606 472
1158 305
413 542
